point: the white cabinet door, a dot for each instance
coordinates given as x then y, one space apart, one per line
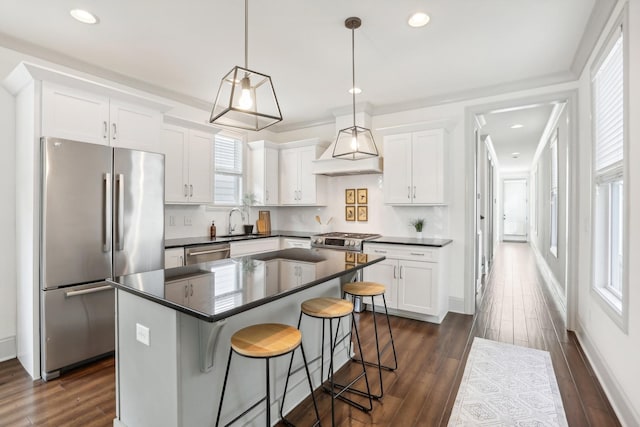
74 114
289 177
173 257
201 291
385 273
428 167
200 167
173 144
271 175
417 287
134 127
397 169
272 276
177 291
306 180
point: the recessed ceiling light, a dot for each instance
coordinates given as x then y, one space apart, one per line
355 90
517 126
515 155
83 16
419 19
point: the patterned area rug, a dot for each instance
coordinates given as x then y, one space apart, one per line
507 385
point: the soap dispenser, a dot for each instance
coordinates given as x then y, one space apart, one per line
212 230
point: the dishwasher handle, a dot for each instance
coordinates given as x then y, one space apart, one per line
212 251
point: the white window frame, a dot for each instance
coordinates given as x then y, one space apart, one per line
614 302
237 173
534 199
553 195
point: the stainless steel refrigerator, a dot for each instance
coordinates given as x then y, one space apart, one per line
102 216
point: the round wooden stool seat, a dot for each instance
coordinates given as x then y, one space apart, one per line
266 340
364 289
328 308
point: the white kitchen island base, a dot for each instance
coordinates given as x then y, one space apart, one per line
163 383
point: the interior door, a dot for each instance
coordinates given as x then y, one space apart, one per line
515 210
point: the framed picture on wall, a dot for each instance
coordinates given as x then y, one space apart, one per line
363 196
350 213
363 213
350 196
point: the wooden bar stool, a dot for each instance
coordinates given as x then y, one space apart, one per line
330 309
265 341
371 289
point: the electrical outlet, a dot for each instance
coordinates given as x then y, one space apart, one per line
172 220
187 220
142 334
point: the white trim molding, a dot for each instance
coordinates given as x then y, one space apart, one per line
7 348
551 281
456 305
622 406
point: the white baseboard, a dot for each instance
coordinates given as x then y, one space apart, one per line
550 279
118 423
627 414
457 305
7 348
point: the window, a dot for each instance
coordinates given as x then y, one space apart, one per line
553 203
228 170
608 112
534 199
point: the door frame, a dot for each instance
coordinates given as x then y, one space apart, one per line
571 97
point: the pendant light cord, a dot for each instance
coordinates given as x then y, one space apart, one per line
353 73
246 34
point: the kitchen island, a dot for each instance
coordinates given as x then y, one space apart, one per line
174 325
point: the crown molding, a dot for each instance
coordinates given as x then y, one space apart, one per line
600 15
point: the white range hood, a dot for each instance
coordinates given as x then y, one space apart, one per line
327 165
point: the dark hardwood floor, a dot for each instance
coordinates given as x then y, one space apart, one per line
516 308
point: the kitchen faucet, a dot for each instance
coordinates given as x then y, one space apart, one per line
233 227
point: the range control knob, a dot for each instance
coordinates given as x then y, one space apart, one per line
352 242
318 240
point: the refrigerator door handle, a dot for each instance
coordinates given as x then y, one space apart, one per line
120 212
106 247
87 291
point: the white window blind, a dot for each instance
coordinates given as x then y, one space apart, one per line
608 107
228 170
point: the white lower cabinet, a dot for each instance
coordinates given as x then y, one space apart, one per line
413 277
173 257
294 242
195 291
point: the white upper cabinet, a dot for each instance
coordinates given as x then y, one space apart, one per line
298 186
188 164
91 117
414 169
263 172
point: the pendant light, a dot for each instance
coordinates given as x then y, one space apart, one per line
246 98
355 142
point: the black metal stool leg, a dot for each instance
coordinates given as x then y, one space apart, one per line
268 393
224 386
333 416
313 397
393 346
364 369
375 330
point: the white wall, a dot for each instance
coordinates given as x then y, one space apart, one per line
613 353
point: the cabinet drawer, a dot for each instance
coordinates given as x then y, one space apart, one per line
413 253
255 246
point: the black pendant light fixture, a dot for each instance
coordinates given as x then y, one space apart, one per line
246 98
355 142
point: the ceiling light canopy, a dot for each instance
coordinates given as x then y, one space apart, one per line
83 16
517 126
355 90
355 142
419 19
246 98
515 155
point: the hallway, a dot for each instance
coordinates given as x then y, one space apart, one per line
518 308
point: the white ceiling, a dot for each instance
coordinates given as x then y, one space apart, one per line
524 140
185 47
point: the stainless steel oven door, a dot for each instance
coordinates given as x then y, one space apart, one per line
78 324
206 253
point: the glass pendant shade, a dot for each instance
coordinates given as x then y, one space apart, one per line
246 100
354 143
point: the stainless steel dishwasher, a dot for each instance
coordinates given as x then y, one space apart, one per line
205 253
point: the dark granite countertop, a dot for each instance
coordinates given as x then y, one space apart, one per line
223 288
206 240
410 241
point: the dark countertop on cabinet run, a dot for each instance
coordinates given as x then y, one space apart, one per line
206 240
230 286
410 241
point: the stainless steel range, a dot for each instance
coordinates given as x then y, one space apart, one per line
344 241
